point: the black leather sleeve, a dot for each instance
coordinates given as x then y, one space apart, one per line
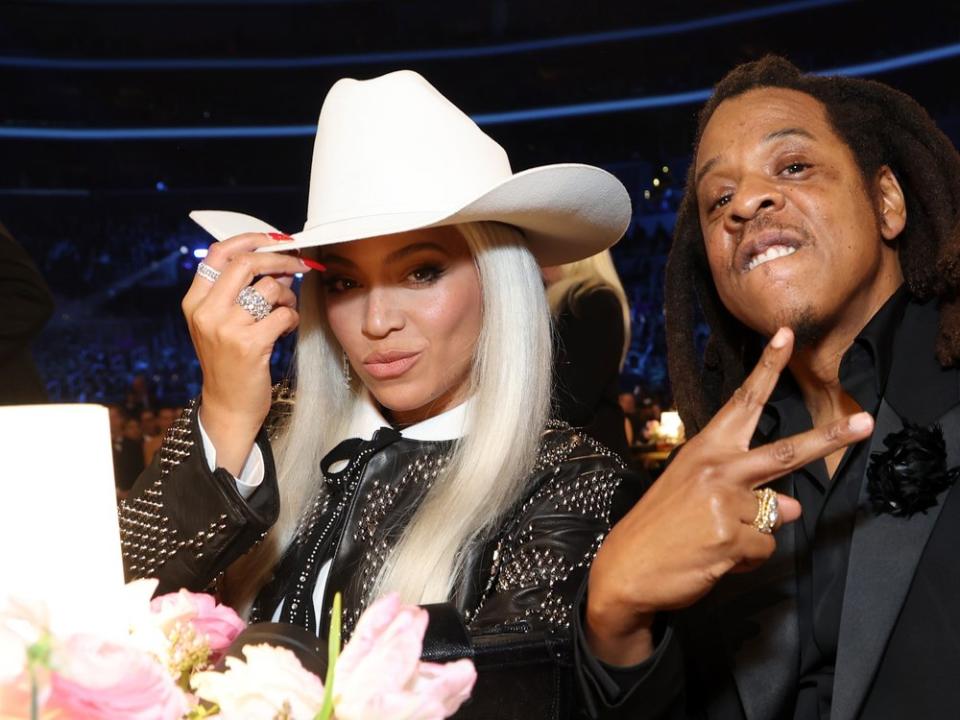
521 638
546 551
182 523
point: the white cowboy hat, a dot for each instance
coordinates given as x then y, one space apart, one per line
392 155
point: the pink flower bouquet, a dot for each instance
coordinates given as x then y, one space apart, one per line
160 667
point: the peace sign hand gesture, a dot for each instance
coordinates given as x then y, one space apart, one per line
696 522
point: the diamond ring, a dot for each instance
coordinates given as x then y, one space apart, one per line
207 272
768 510
254 303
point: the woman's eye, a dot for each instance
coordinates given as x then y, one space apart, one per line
339 284
795 168
426 274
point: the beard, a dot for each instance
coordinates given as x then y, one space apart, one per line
808 329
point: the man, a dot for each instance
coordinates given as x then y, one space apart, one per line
826 207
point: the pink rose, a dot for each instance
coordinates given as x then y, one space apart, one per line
98 680
20 627
379 673
219 624
271 682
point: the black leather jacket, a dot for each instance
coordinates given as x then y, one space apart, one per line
185 525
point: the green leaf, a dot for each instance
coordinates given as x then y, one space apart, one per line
333 653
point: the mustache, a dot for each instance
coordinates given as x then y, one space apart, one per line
767 222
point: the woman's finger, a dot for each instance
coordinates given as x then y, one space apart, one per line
281 321
768 462
737 419
274 293
219 255
242 269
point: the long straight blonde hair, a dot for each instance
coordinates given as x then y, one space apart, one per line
579 278
487 471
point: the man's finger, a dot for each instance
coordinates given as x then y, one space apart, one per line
768 462
788 510
738 417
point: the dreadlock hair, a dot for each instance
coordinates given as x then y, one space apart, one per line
881 126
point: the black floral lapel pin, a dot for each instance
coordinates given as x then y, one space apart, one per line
907 477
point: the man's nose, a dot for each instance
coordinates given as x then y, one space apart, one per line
753 197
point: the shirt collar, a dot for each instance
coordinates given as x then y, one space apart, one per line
877 337
449 425
876 340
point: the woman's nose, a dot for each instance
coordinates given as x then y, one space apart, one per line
382 314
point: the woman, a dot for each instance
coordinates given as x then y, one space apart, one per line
418 455
592 321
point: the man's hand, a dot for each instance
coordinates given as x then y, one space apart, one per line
695 524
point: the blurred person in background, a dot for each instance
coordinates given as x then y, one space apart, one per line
628 403
591 337
165 417
127 442
27 305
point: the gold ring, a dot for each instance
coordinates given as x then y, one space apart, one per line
768 510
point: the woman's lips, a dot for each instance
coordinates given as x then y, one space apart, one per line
387 366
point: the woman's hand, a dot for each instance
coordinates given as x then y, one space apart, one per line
234 349
695 524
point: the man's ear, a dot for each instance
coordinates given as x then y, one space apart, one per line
892 205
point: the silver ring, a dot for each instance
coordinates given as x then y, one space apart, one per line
207 272
254 303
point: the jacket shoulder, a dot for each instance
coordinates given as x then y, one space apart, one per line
561 443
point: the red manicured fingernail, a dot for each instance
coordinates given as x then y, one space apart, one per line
280 237
313 264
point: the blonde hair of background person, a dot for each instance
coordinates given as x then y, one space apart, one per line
581 277
484 478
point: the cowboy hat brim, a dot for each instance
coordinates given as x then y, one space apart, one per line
566 212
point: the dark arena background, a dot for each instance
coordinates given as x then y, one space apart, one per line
118 118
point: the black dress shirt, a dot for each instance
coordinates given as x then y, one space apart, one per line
825 528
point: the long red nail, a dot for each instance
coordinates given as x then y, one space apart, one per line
313 264
282 237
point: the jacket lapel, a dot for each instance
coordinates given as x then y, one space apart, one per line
884 553
757 612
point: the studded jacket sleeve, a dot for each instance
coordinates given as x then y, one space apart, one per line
182 523
544 553
520 635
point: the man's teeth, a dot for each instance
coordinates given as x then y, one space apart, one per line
771 253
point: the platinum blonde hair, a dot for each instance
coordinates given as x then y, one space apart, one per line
579 278
487 471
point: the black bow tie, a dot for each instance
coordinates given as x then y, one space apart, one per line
354 452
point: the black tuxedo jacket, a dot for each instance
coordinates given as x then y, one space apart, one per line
736 654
